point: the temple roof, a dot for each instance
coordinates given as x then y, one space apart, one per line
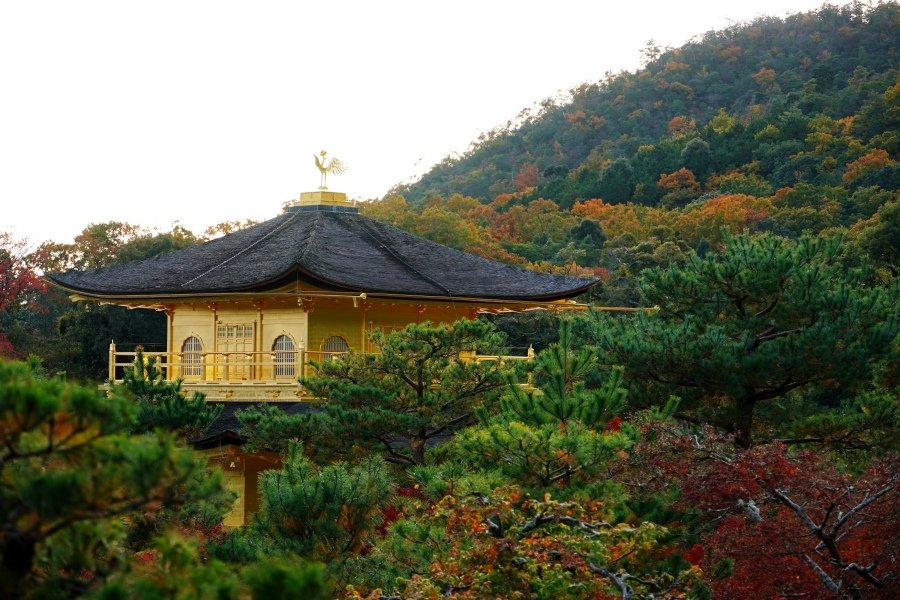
226 429
330 249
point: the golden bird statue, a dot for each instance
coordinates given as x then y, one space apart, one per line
325 167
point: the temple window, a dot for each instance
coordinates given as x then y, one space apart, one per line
191 357
235 337
335 346
284 356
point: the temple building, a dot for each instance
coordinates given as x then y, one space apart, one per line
247 312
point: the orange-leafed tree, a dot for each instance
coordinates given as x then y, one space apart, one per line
680 187
765 79
624 219
681 180
731 54
96 246
681 125
508 225
527 177
731 212
871 161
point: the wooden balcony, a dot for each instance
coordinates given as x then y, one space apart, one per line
248 376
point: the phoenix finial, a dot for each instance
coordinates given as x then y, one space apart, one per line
325 167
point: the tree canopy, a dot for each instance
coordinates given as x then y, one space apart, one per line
751 324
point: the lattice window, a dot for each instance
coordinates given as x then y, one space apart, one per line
285 356
335 346
235 338
234 347
192 357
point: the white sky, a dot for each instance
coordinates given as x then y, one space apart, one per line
156 111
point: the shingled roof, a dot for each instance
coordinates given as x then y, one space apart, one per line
334 250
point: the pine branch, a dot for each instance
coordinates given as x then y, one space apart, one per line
394 456
619 581
592 529
451 424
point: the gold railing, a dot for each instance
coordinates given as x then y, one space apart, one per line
282 366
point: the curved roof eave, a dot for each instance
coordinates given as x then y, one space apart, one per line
334 251
274 283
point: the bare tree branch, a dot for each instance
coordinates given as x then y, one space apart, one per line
833 587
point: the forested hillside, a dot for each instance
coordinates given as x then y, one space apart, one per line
788 101
788 126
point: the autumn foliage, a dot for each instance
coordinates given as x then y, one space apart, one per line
779 523
682 180
20 287
18 281
876 159
510 545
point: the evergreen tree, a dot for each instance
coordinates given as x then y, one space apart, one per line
763 318
697 157
588 238
617 182
322 512
177 570
869 422
161 403
85 329
549 433
69 473
561 395
417 389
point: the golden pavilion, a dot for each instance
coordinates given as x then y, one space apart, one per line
247 312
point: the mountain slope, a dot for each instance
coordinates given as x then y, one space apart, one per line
835 62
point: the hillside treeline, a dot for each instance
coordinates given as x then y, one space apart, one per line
788 126
788 101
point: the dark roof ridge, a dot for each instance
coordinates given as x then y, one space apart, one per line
376 237
316 228
242 250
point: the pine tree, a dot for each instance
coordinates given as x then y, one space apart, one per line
69 472
417 389
562 396
161 403
322 512
762 319
551 431
176 569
